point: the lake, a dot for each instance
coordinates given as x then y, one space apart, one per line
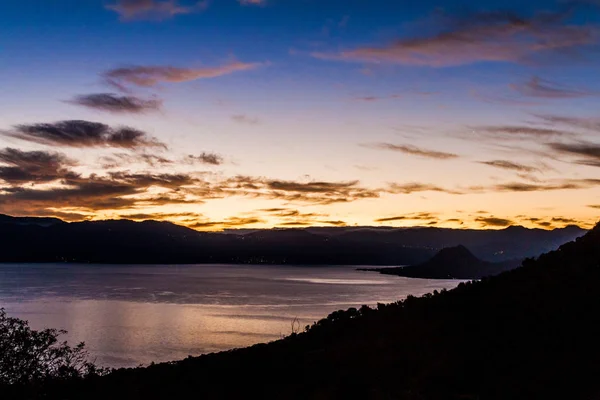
132 314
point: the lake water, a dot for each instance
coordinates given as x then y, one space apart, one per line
130 315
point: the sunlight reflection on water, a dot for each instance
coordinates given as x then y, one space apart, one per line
129 314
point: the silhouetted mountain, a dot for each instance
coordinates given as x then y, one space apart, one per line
530 333
122 241
452 263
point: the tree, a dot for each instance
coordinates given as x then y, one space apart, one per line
27 355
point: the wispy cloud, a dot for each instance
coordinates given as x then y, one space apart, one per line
537 87
245 119
20 167
153 9
121 160
253 2
413 150
83 134
493 221
425 216
116 104
509 165
205 158
415 187
589 151
591 124
495 36
148 76
519 131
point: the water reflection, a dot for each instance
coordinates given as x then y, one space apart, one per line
129 315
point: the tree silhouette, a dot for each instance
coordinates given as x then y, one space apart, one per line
27 355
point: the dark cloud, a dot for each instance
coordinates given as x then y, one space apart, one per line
147 76
516 131
594 206
205 158
492 36
294 191
537 87
592 124
121 160
233 222
84 134
589 151
245 119
159 216
415 151
415 187
153 9
503 164
409 217
564 220
117 190
253 2
116 104
18 167
492 221
565 184
377 98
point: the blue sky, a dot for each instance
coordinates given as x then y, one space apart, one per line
339 112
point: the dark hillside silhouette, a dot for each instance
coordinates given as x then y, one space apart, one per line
530 333
152 242
452 263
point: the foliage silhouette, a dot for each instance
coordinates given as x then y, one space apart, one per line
28 356
530 333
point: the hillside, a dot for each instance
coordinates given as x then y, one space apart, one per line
531 333
452 263
152 242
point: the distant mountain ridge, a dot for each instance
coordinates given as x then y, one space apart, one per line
453 263
25 239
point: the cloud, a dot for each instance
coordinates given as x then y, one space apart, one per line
159 216
519 131
537 87
315 192
594 206
83 134
19 167
415 151
148 76
589 151
592 124
112 103
509 165
205 158
564 220
492 221
415 187
245 119
120 160
153 9
377 98
422 216
482 37
565 184
253 2
233 222
117 190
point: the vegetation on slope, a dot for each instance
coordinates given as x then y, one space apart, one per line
531 333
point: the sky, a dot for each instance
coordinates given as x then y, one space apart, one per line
225 114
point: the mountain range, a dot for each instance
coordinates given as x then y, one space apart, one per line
28 239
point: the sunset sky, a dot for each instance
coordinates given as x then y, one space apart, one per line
289 113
